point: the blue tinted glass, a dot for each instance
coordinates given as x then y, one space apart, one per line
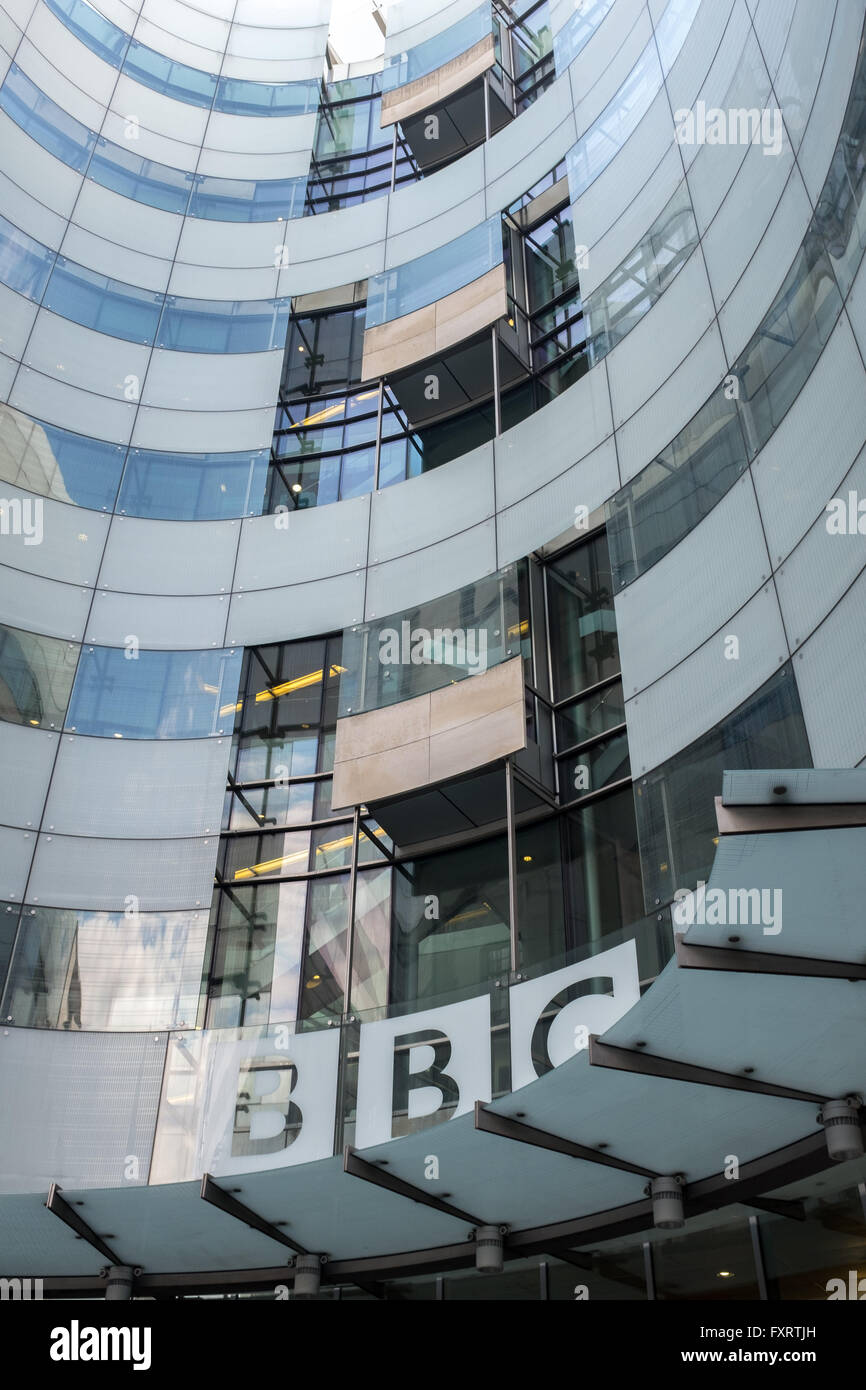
179 80
158 185
193 487
431 277
56 463
165 75
672 28
243 98
577 31
98 33
358 473
158 695
224 325
606 136
405 66
44 121
96 301
89 468
25 264
245 200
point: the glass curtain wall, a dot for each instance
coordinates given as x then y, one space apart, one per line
284 855
530 50
354 159
324 444
435 924
337 436
579 874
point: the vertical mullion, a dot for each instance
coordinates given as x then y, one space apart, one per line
512 861
758 1255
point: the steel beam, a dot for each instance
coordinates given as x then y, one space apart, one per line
508 1128
795 1163
225 1201
795 1211
695 957
58 1206
371 1172
648 1064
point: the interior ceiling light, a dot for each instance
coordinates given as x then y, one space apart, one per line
297 487
470 914
268 865
321 415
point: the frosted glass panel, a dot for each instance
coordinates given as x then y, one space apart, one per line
577 31
178 80
44 121
607 135
25 264
672 29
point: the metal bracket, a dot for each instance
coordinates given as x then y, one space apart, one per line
224 1201
795 1211
508 1128
648 1064
694 957
370 1172
59 1206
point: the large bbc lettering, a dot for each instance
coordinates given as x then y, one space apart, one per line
269 1106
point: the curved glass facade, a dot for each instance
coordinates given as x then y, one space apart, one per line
133 175
429 559
178 80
